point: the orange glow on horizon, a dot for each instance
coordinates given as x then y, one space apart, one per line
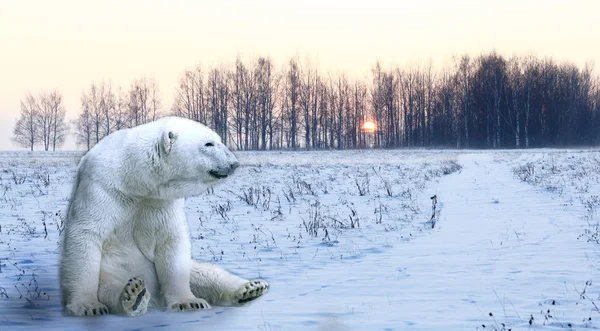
369 127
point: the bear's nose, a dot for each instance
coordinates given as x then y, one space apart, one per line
234 166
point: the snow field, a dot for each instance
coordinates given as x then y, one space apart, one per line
346 240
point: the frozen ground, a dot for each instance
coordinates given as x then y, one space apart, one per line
347 241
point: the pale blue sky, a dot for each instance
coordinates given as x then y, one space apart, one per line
68 44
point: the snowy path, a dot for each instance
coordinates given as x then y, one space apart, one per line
496 236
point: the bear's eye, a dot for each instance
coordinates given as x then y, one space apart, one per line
209 144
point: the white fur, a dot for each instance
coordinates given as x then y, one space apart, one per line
126 219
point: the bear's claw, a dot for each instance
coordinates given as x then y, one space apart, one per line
135 297
190 305
251 290
86 309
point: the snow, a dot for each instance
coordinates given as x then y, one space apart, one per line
510 238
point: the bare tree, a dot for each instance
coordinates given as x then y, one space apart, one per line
84 124
155 101
249 107
190 96
515 83
292 89
120 114
306 91
407 93
341 96
377 99
58 124
359 101
323 113
144 102
26 131
531 76
108 103
267 85
218 101
447 124
464 69
239 76
44 120
390 115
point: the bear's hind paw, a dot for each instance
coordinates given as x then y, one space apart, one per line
190 305
86 309
135 297
251 290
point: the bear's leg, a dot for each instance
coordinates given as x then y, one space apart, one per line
220 287
124 297
172 264
79 270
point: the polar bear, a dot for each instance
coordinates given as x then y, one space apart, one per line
126 242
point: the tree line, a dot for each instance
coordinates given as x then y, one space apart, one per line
487 101
42 121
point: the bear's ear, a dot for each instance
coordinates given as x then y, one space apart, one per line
167 141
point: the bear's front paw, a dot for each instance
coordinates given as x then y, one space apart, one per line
135 297
189 305
90 308
250 291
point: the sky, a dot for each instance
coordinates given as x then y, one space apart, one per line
69 44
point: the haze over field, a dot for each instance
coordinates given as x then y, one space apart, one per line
67 45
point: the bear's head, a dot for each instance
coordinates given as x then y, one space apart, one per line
192 158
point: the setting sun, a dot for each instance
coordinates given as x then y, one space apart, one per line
368 126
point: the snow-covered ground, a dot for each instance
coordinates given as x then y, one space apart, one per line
348 242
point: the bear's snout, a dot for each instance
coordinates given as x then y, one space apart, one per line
225 171
232 166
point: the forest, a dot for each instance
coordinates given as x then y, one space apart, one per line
483 102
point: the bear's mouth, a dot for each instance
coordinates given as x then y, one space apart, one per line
217 175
